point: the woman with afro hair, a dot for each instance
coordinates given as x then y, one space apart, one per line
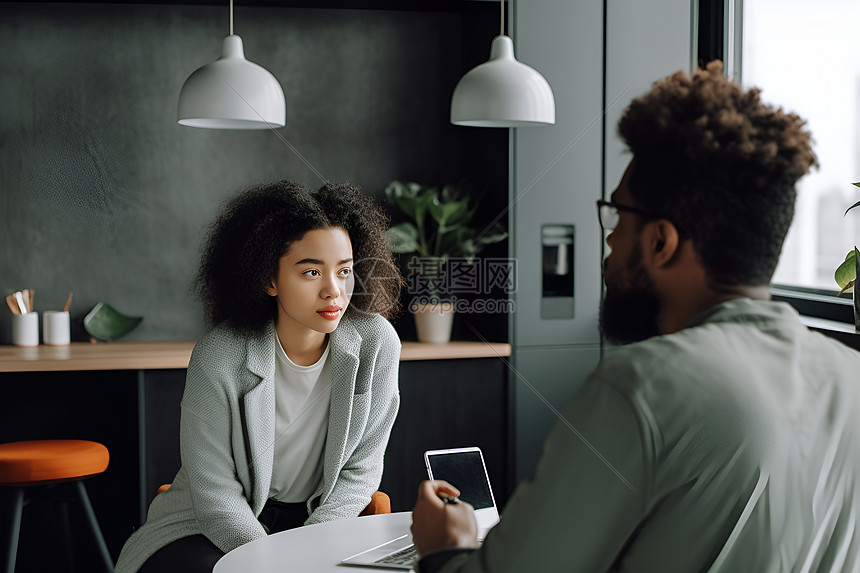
290 398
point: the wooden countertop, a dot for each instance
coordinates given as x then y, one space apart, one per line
164 355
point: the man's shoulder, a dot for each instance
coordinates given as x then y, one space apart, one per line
721 355
650 355
661 362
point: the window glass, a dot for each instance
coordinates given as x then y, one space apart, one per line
805 56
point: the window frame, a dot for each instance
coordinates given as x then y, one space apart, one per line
720 33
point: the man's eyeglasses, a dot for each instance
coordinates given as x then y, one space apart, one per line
607 213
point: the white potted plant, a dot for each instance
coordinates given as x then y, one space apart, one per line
436 231
847 273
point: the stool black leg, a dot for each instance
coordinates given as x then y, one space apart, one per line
63 509
94 526
12 525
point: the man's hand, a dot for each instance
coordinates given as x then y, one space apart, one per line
437 524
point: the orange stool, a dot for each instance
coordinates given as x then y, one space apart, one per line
44 463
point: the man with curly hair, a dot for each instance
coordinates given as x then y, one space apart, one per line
723 435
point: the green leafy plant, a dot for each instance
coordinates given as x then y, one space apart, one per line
846 273
438 225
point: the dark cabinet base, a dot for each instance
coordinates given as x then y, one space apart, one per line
444 404
447 404
99 406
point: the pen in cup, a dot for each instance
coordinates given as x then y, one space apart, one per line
21 301
19 298
13 304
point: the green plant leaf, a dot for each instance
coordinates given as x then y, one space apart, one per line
403 238
448 243
856 274
405 196
451 193
462 195
425 198
466 243
847 272
445 233
469 249
494 235
448 215
398 189
856 184
462 216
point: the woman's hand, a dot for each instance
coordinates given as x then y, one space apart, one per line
437 523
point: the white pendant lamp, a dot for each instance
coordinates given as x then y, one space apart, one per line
232 93
502 92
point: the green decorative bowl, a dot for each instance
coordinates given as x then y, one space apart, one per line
104 323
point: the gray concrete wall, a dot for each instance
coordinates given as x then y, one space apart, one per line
104 194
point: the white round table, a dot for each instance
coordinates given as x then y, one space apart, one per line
317 548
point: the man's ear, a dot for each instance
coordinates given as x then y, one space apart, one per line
662 242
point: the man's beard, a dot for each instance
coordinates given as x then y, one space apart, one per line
630 315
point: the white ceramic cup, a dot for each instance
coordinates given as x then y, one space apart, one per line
25 329
55 327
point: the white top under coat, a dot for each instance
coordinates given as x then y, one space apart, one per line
302 403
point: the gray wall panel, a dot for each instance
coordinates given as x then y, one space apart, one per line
557 175
645 41
564 41
544 378
556 180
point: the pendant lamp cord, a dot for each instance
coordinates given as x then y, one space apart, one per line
502 5
231 17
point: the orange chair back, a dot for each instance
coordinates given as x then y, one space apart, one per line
379 502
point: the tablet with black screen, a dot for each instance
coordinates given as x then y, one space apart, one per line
464 469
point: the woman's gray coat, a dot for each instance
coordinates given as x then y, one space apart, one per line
227 434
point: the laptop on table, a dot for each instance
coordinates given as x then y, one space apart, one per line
463 468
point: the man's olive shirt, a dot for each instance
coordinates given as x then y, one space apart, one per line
729 446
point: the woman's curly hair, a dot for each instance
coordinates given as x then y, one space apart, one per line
256 228
722 166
